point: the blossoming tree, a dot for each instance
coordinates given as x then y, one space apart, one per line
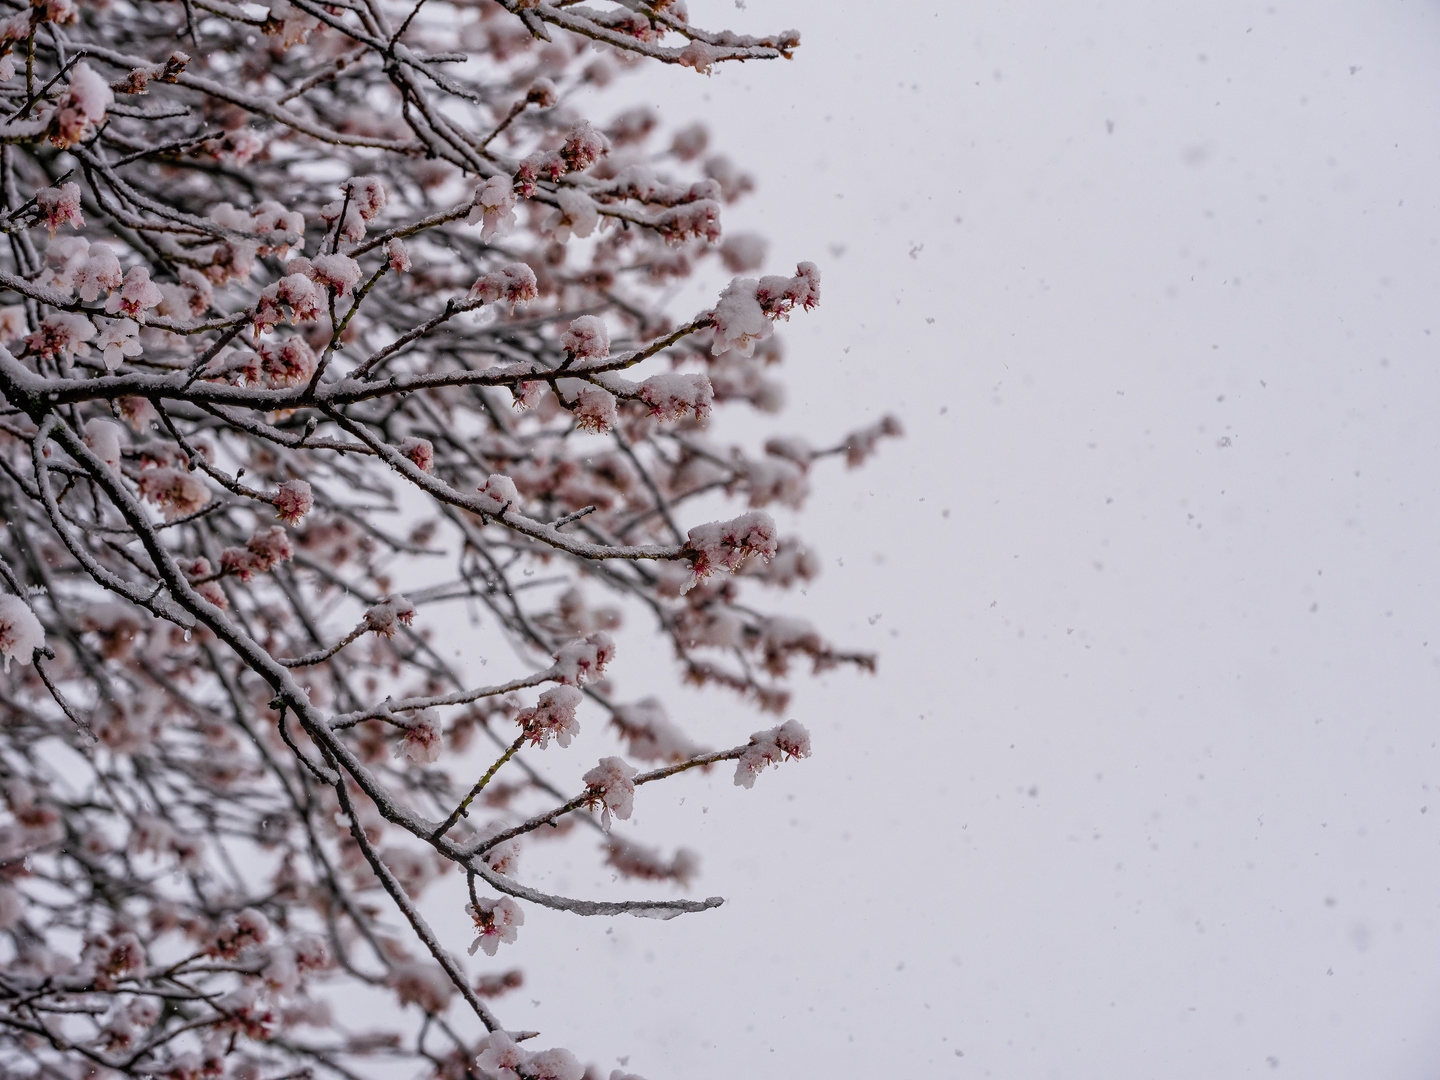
322 319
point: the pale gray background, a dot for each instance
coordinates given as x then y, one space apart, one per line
1146 784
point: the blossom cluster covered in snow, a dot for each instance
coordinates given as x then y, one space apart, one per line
326 327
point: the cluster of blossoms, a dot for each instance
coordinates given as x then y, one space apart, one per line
343 300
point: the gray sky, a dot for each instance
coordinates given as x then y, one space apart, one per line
1146 785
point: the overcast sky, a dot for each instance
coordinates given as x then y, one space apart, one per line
1146 785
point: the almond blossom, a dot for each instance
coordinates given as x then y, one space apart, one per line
20 631
611 785
256 727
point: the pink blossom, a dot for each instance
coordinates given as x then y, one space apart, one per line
293 500
397 255
177 492
100 272
60 206
789 740
777 295
261 553
500 1056
595 409
739 319
119 339
583 147
743 251
392 612
690 142
423 739
239 932
699 56
649 733
726 545
584 658
420 451
295 24
688 221
286 363
62 334
20 631
423 983
586 338
336 271
497 921
637 861
81 107
12 322
578 215
859 445
553 715
611 784
675 394
305 299
554 1064
494 206
514 283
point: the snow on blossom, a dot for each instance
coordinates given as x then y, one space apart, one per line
136 296
674 394
500 1056
12 322
423 739
368 195
62 334
513 282
554 1064
586 338
177 492
494 207
595 409
304 297
397 255
386 617
286 363
103 438
554 714
60 206
20 631
335 271
583 147
584 658
693 220
423 983
293 500
119 339
611 784
699 56
739 319
497 921
239 931
578 215
261 553
649 733
100 272
637 861
500 489
743 251
726 545
270 217
420 451
81 107
789 740
777 294
293 24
